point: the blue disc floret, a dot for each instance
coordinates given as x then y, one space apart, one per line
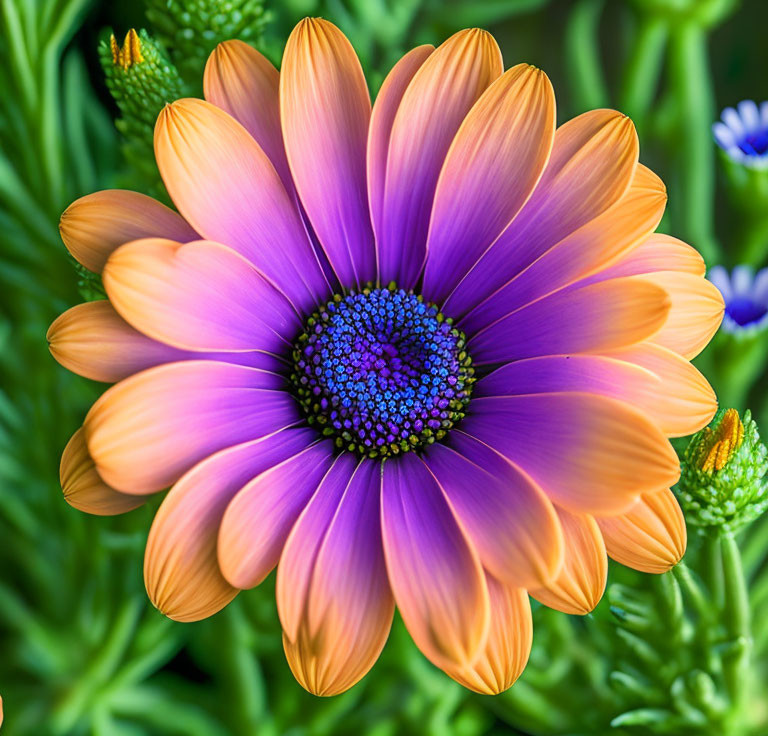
381 371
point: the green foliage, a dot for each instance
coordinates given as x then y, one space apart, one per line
190 29
83 651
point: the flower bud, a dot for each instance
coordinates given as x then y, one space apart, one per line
722 482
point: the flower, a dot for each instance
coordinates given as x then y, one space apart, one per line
425 355
743 133
746 298
723 481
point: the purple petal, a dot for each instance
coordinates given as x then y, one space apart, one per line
435 573
259 519
512 524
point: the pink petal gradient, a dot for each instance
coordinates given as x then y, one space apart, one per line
325 109
510 521
581 582
198 296
433 107
593 246
588 319
261 515
588 453
333 595
245 84
147 431
94 341
384 110
434 570
491 169
657 381
180 569
591 166
224 183
94 225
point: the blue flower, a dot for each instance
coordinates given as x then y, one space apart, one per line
746 297
743 133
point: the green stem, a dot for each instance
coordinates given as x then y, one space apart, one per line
714 571
582 49
693 589
641 75
737 622
692 87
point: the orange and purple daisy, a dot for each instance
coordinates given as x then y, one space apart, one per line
426 354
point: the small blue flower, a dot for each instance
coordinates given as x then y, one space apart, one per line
746 297
743 133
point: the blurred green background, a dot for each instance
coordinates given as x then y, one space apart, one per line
81 649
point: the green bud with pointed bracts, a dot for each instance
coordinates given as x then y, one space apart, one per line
141 80
723 479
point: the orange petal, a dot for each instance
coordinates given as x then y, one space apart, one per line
494 163
581 583
83 487
684 402
384 110
244 83
325 110
650 537
657 381
695 315
510 636
181 572
332 589
450 81
94 341
94 225
696 304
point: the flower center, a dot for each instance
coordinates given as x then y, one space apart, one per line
744 311
381 371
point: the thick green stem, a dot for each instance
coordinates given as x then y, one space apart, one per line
736 617
692 88
582 49
714 570
641 75
693 589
